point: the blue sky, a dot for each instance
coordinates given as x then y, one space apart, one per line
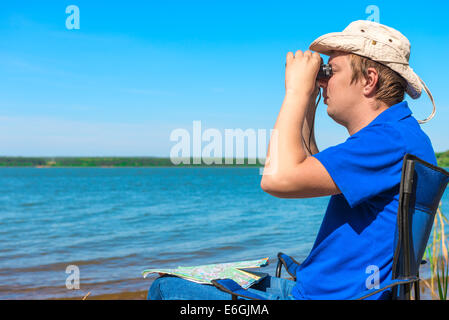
137 70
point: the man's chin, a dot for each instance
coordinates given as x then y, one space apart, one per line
329 110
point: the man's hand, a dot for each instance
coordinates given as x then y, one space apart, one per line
290 172
301 70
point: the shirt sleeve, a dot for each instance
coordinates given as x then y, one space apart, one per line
367 163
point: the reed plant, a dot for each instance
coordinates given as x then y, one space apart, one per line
437 256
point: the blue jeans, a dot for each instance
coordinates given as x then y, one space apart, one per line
174 288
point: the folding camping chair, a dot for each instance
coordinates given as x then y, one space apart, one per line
422 186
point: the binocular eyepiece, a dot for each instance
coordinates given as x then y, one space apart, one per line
325 72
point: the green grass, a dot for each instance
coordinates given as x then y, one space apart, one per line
443 159
438 256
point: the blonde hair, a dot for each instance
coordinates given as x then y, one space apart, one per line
390 87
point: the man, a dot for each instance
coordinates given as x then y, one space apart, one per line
364 94
370 75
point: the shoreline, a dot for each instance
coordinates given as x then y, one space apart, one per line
125 295
148 161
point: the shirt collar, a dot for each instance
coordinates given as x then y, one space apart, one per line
394 113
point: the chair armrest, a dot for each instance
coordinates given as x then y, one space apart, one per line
233 288
385 285
290 264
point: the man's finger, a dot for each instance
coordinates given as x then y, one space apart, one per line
316 56
289 57
298 54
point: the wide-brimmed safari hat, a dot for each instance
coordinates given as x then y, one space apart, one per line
381 44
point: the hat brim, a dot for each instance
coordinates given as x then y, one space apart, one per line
338 41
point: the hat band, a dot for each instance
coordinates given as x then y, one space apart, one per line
431 99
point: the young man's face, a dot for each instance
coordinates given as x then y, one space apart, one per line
339 94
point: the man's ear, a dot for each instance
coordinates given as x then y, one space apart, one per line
370 82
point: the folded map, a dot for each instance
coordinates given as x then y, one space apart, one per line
206 273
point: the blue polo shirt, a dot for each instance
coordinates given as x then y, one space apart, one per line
354 246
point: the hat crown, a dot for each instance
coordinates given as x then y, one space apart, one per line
377 42
388 36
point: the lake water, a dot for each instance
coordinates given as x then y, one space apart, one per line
115 222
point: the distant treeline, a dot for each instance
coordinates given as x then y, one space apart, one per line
442 158
120 162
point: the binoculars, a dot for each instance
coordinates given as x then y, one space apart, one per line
325 72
